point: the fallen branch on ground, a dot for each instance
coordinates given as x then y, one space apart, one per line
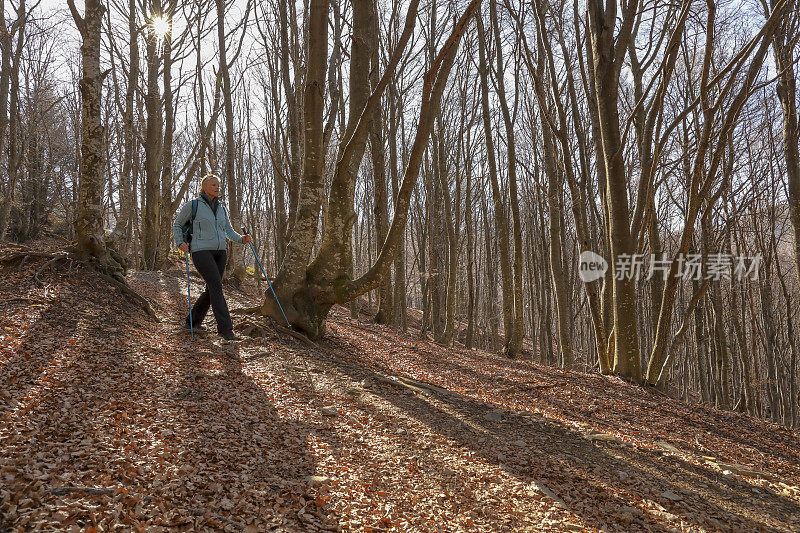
63 491
523 387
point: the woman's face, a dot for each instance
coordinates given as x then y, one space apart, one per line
211 188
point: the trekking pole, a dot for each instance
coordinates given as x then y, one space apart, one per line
189 290
244 231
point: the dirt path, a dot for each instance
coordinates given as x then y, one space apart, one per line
108 419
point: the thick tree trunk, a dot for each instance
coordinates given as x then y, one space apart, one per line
289 285
89 219
14 157
335 257
626 338
152 151
308 292
607 56
377 151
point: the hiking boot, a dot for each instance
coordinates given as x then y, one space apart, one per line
230 336
196 328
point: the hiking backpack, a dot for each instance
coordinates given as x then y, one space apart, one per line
188 227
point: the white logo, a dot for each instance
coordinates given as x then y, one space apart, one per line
591 266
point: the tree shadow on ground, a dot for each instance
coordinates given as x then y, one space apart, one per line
584 474
144 423
614 400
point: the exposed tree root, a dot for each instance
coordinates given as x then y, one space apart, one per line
255 325
245 311
102 257
26 254
55 259
297 335
125 288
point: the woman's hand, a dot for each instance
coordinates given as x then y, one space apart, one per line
246 238
184 248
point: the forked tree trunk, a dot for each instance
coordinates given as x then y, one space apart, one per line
307 292
290 282
705 166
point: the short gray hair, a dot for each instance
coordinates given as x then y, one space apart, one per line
208 177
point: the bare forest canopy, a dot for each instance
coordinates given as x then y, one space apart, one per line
595 185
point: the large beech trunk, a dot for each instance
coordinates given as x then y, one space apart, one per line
89 220
151 219
308 291
608 52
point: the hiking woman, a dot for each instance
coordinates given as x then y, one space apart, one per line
210 231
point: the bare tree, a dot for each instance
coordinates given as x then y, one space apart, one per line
89 219
501 220
308 291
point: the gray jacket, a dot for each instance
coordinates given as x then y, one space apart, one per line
209 231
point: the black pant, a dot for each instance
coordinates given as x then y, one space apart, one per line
211 265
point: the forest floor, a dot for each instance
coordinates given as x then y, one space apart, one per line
111 420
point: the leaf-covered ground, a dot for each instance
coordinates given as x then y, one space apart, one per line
109 420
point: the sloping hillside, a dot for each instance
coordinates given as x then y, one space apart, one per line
109 418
